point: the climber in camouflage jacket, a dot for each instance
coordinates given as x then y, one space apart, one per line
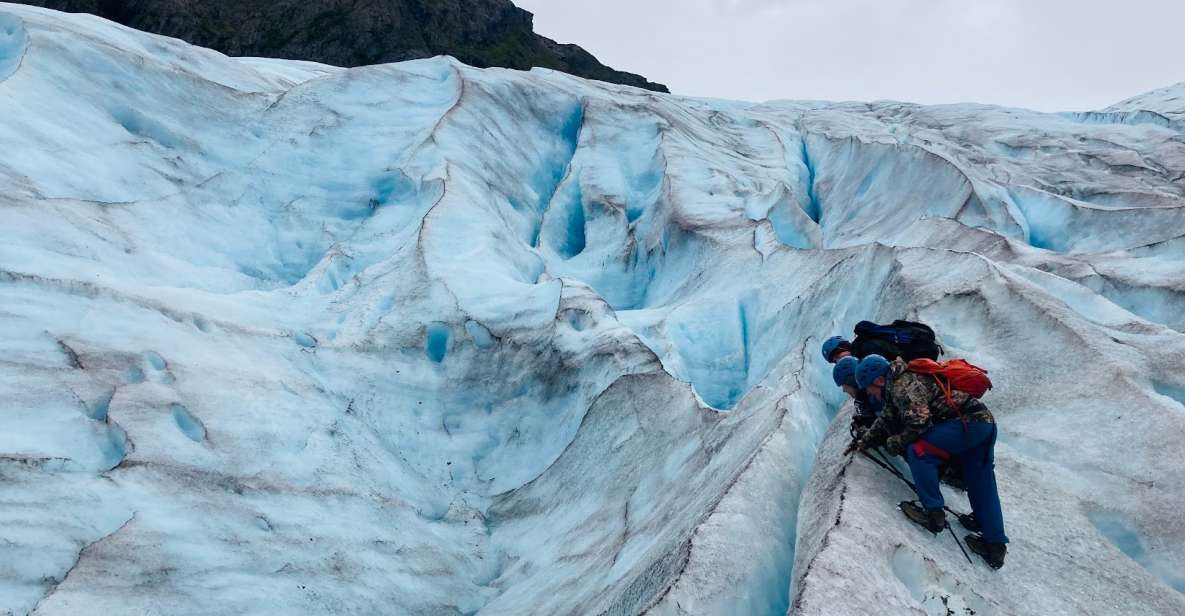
931 433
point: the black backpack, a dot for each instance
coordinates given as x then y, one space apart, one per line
905 339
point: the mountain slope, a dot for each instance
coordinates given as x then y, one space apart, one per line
425 338
349 33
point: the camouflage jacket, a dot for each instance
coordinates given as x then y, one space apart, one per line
914 402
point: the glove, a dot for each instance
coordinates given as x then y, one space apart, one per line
894 445
863 442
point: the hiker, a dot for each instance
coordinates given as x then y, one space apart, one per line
906 339
939 421
867 409
836 348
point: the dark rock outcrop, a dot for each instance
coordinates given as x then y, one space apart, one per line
481 33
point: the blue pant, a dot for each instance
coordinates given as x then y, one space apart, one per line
975 447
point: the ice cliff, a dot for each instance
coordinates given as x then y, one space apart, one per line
420 338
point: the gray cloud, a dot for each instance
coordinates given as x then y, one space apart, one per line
1048 54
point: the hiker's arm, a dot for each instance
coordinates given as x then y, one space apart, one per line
875 434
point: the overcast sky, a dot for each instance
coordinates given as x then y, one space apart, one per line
1053 55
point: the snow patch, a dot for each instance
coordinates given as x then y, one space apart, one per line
1176 393
142 126
97 410
14 39
939 594
188 423
481 336
436 345
1122 533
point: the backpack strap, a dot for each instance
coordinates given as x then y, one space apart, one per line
946 393
935 369
950 401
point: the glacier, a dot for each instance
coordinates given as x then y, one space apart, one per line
419 338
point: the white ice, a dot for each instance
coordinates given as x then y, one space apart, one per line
421 338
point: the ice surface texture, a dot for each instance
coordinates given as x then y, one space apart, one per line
13 40
420 338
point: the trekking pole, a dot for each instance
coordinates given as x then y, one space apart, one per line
881 463
885 464
958 543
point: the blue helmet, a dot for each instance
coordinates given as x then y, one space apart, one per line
833 343
869 369
844 371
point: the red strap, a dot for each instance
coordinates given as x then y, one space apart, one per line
921 448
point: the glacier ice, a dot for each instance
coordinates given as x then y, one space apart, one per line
421 338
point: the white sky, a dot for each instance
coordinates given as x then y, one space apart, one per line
1053 55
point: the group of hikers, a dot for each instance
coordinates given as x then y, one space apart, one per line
929 413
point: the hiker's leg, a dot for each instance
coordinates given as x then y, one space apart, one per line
948 436
951 474
925 476
972 468
979 470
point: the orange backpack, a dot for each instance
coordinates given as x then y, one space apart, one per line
955 374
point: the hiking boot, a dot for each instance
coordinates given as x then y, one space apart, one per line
970 522
993 553
933 520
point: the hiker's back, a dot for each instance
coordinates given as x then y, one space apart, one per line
908 389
